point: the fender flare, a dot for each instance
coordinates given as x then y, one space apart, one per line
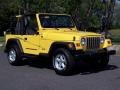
13 41
62 45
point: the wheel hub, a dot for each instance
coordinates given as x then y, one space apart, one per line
60 62
12 55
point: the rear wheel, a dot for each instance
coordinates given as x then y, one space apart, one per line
63 62
14 55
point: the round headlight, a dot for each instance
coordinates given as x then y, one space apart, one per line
83 41
102 39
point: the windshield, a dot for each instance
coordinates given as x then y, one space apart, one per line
56 21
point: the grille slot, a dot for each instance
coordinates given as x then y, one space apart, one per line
93 42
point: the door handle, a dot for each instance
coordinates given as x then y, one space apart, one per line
25 38
41 35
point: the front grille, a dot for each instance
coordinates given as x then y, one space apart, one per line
93 42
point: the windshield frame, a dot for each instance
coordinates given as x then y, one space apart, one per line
72 25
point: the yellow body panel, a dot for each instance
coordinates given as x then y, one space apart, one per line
41 43
29 46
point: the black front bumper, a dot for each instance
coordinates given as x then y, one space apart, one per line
111 52
86 58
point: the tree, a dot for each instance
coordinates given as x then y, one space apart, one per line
116 16
7 8
86 13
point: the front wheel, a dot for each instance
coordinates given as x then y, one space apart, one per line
63 62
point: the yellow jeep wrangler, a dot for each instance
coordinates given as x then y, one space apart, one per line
56 36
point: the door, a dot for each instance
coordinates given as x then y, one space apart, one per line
30 37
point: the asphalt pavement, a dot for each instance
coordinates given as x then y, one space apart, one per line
38 75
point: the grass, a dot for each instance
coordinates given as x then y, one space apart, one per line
115 35
2 42
2 39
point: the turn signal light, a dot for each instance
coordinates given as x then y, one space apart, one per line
109 42
78 44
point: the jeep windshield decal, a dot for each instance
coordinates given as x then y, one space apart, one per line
56 21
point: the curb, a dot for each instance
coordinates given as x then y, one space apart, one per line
116 48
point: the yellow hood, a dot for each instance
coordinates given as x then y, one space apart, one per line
66 35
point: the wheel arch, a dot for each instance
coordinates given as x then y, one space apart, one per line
13 41
57 45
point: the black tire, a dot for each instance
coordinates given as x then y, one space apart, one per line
16 59
66 61
102 62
